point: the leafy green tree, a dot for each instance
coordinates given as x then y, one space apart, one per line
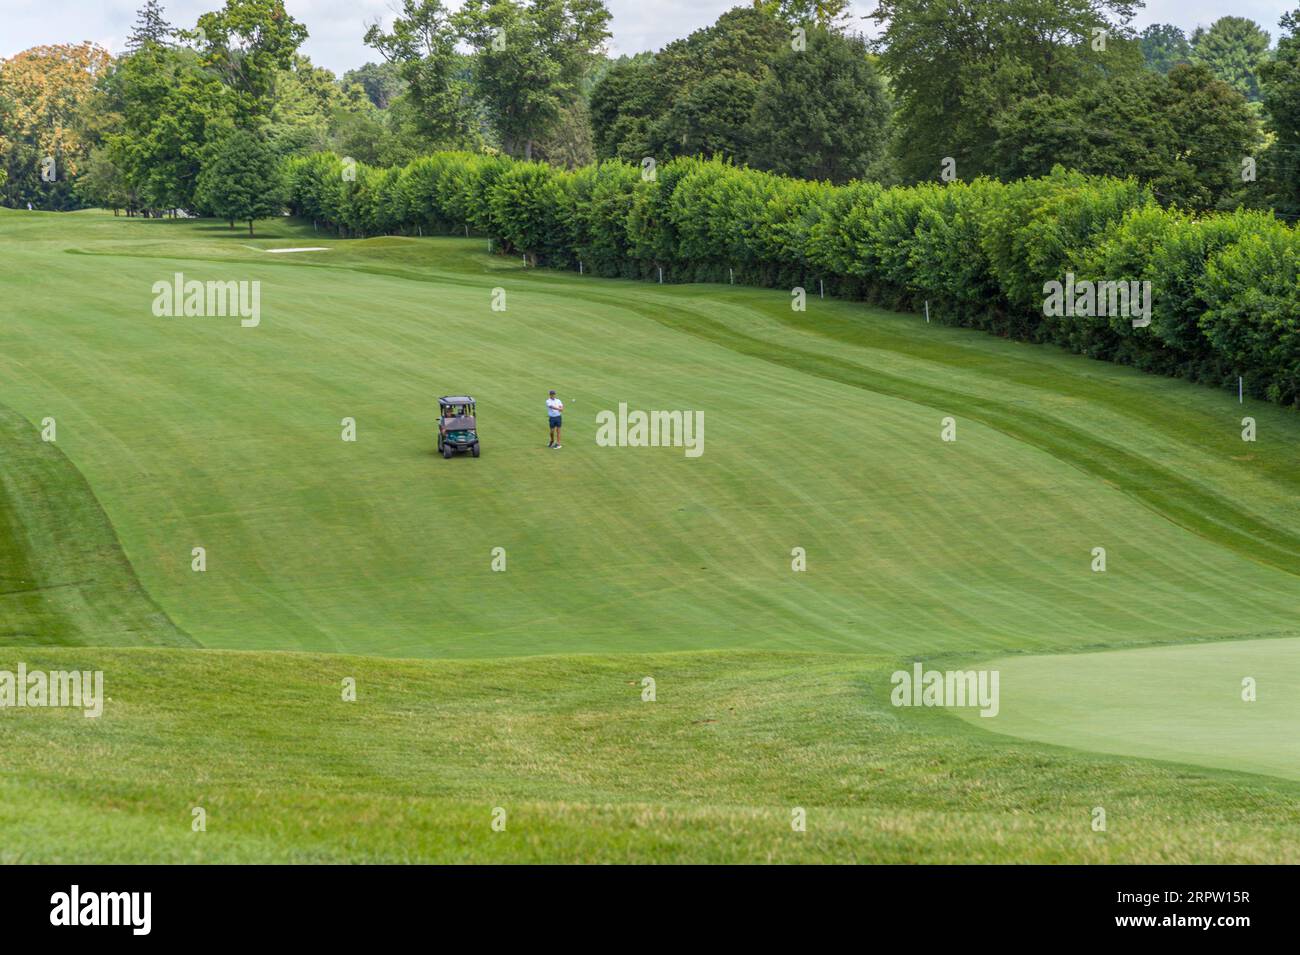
1215 129
1280 88
1234 48
421 47
529 60
955 65
711 118
826 14
568 143
307 102
103 184
622 104
382 82
821 113
171 106
241 179
650 105
1164 46
248 43
1185 134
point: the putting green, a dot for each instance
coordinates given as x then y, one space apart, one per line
1186 704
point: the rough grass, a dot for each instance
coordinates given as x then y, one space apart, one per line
584 769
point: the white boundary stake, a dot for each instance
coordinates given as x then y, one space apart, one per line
661 275
579 266
927 311
732 274
1240 398
822 287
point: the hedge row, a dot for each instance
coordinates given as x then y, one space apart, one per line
1225 299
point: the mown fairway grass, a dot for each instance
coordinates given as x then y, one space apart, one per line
822 432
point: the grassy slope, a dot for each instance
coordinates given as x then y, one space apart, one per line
191 431
585 770
63 577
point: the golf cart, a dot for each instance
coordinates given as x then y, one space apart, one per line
457 430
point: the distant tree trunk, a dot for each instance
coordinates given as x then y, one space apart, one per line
250 228
528 149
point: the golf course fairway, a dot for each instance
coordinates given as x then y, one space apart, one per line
498 616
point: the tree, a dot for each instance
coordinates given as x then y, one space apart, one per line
1184 134
568 144
826 14
711 118
150 27
306 102
241 179
382 82
622 105
1280 88
46 94
421 47
1164 46
1215 128
103 185
247 43
821 113
673 103
171 108
1233 47
955 65
529 61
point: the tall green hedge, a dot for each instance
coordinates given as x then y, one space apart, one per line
1225 289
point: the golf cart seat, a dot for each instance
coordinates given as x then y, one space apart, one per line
458 423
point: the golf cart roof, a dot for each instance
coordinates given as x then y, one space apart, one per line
456 400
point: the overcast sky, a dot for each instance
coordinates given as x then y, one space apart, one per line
336 26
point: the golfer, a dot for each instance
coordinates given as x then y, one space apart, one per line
554 412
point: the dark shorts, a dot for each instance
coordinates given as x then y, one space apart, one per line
555 420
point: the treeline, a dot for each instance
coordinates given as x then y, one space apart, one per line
167 124
1225 294
999 88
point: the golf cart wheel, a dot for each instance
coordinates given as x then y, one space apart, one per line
474 449
447 451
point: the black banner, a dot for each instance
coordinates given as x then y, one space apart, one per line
333 904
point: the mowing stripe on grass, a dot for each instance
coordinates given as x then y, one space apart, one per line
63 577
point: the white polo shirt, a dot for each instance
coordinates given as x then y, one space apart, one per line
553 407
